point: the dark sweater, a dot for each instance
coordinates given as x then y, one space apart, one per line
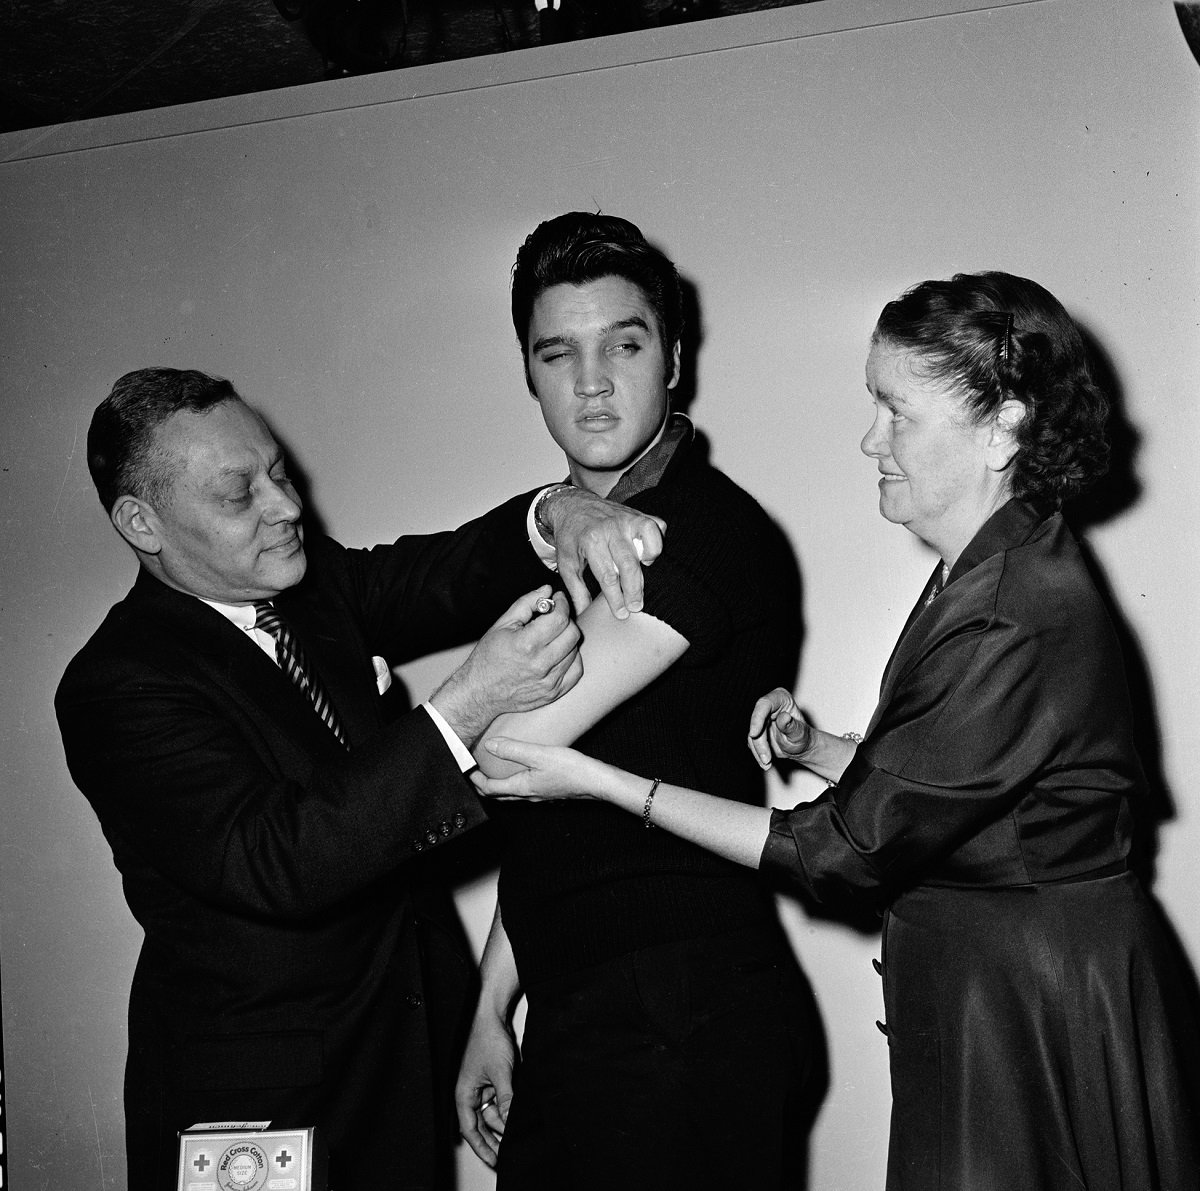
582 882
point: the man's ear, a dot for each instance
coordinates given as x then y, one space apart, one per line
135 521
673 375
1002 440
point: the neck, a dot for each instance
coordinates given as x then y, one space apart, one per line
601 483
953 544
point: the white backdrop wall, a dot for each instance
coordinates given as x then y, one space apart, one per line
342 253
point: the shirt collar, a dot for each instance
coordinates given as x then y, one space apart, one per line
241 616
648 470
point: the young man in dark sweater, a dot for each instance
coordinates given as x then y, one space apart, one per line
670 1039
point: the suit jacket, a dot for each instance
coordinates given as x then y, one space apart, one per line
1001 752
298 964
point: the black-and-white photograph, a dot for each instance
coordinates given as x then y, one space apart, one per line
600 596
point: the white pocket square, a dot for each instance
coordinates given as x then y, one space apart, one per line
383 673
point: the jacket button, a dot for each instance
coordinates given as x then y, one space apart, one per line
881 1026
460 820
431 836
418 845
445 828
413 1000
877 966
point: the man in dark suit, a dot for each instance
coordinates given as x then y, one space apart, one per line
273 833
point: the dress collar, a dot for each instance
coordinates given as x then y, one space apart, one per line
1008 526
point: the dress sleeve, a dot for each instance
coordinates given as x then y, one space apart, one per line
952 748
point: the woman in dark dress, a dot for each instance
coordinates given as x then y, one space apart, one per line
1040 1030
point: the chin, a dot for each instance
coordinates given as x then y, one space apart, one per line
288 574
598 455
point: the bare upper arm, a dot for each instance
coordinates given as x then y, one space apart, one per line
620 657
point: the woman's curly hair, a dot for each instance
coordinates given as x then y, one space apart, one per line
997 337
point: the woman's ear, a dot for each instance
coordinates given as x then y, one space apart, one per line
1002 441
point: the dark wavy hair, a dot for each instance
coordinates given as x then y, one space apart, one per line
122 453
579 247
995 337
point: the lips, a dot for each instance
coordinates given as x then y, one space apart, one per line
287 546
600 420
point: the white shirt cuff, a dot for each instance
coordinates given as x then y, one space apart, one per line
461 753
543 549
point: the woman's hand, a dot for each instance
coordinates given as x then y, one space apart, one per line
778 727
550 772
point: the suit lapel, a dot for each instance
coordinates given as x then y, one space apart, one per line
239 667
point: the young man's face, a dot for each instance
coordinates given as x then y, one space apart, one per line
601 373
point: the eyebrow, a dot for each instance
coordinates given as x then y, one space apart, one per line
546 341
233 473
246 472
887 397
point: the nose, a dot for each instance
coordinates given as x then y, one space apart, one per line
592 378
283 505
874 443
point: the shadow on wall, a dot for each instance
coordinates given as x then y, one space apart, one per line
1115 494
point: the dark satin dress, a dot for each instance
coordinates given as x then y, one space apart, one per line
1041 1031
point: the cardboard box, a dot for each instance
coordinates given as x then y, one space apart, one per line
249 1156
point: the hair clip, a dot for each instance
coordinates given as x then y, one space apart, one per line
1006 342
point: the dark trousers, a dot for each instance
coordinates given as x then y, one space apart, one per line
695 1064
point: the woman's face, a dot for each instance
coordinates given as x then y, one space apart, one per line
941 474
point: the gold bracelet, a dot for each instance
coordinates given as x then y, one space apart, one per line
649 802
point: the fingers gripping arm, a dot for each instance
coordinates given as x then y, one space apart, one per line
619 658
609 539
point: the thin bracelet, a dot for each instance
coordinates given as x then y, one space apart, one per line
857 738
650 802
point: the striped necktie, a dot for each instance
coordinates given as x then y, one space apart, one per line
289 653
